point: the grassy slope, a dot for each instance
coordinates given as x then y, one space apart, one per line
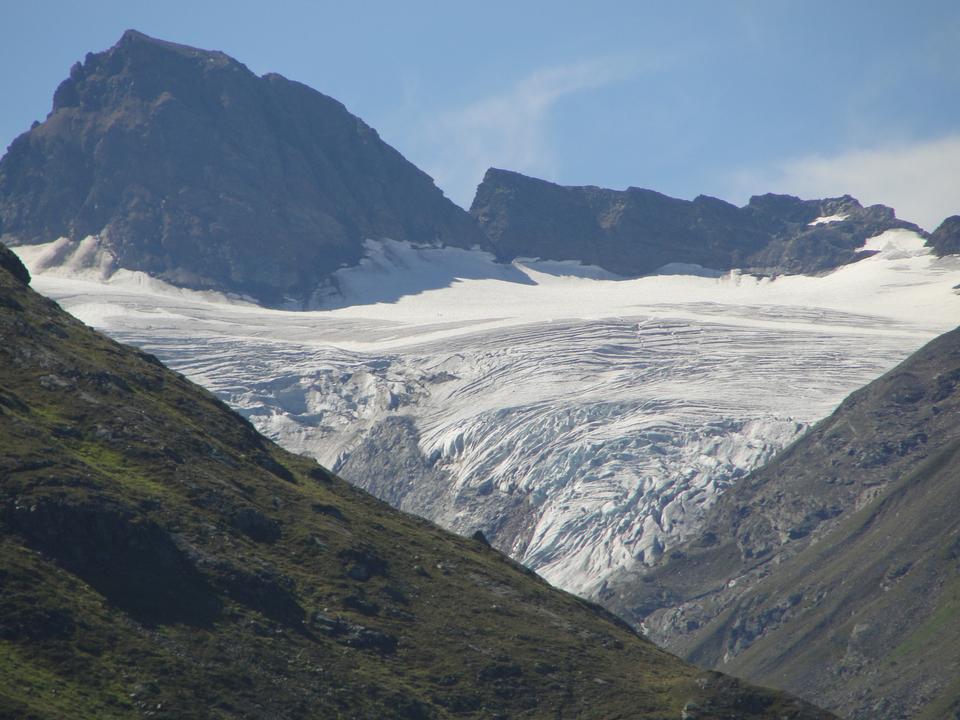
159 558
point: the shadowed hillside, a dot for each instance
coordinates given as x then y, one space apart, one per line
160 558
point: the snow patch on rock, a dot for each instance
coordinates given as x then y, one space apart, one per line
825 219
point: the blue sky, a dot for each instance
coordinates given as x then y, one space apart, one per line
722 98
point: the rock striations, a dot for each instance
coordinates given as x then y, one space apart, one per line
835 569
159 558
186 165
636 231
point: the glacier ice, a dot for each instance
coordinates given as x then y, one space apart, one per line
584 422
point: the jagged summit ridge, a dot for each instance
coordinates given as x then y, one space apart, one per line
186 165
637 231
945 240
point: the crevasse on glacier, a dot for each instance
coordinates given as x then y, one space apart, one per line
584 422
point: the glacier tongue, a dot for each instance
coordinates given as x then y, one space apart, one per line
583 422
588 445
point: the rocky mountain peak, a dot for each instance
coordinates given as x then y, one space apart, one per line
946 238
142 67
186 165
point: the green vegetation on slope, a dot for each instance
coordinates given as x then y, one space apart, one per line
159 558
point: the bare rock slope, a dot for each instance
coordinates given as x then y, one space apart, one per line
637 231
186 165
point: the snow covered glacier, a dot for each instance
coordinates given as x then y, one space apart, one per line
582 421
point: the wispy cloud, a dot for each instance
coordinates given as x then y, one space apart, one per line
508 129
920 180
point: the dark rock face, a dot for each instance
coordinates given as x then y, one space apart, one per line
394 443
635 231
136 565
12 264
945 240
795 246
193 169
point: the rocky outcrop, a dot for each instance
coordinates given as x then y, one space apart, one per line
13 265
186 165
945 240
636 231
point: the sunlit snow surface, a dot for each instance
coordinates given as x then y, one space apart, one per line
585 421
826 219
